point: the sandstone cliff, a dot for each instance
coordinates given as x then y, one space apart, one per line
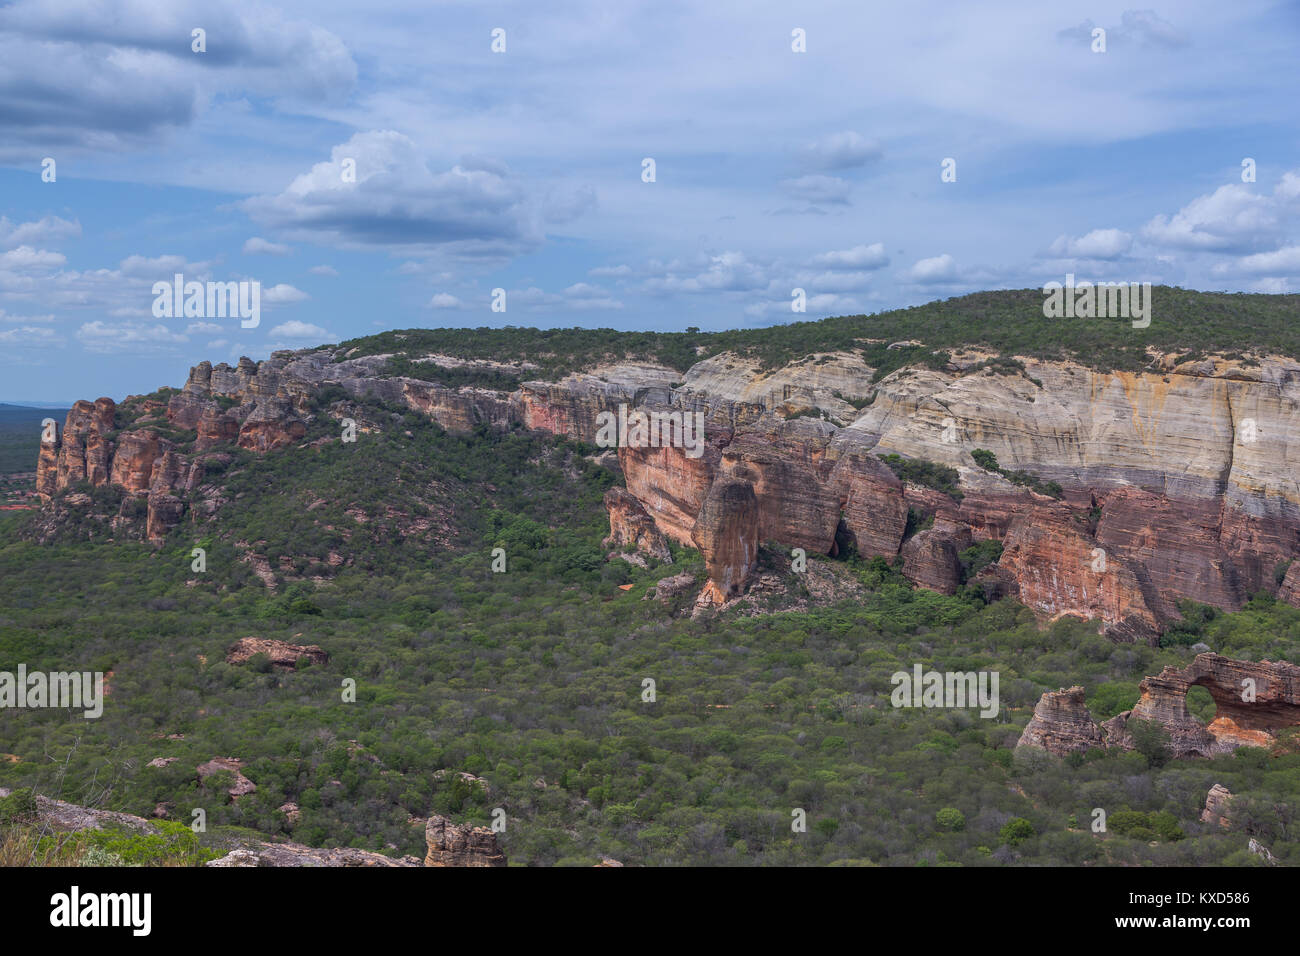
1177 482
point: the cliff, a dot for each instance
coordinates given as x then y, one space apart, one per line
1177 482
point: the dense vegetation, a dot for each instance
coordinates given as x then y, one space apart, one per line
1007 323
20 435
532 680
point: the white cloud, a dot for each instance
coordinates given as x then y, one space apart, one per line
323 271
48 229
27 259
99 336
1233 217
724 272
859 257
28 336
1098 244
941 268
282 294
294 329
839 151
445 300
257 246
1280 262
397 202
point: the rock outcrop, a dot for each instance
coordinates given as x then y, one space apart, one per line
1216 805
239 785
1179 481
631 524
452 844
1061 724
727 534
1254 701
282 654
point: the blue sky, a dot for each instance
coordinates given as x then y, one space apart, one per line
522 169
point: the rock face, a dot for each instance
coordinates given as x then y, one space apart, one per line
1274 704
1177 482
1061 724
1253 702
296 854
282 654
1216 805
631 524
453 844
239 786
727 534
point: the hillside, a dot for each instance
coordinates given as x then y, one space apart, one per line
950 503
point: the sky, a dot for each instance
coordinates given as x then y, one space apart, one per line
389 165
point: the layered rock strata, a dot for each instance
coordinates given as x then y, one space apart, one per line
1253 702
1178 482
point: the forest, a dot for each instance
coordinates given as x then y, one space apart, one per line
530 681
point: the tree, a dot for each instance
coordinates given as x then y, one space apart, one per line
951 819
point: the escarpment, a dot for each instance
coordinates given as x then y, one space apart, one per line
1254 701
1132 491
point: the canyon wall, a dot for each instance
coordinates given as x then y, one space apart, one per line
1178 482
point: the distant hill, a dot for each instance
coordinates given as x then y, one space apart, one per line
1007 322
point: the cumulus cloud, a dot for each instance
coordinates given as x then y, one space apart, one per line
9 317
48 229
27 259
1278 263
941 268
1098 244
445 300
397 201
28 336
1232 218
724 272
104 337
294 329
257 246
114 75
282 294
580 296
845 150
859 257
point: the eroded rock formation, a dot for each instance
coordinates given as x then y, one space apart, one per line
727 534
1167 493
452 844
282 654
631 524
1061 724
1253 701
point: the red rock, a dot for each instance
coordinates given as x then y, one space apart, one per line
1061 724
727 535
631 524
451 844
